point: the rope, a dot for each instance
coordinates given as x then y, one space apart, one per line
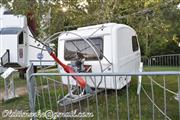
162 86
155 104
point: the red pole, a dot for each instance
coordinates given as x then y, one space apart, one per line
68 69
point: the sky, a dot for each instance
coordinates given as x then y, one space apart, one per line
178 6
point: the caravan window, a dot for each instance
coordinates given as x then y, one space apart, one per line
10 30
21 38
72 47
134 43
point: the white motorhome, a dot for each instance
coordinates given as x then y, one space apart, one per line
17 46
110 47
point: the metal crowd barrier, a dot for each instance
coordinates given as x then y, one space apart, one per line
157 98
172 60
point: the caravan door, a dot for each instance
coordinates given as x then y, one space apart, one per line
21 49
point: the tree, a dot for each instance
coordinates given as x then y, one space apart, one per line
156 21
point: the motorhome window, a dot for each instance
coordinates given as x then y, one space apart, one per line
134 43
8 13
21 39
10 30
72 47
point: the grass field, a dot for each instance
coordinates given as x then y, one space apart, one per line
155 68
146 106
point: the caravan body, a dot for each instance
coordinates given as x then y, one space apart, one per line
116 45
17 46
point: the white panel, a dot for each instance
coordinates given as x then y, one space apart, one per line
13 21
33 52
9 42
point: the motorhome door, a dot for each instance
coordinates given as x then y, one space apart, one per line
21 49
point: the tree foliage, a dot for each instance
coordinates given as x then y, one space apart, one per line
157 22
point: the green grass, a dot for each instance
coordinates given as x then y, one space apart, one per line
146 106
155 68
20 103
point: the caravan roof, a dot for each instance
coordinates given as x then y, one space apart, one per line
9 20
105 25
93 31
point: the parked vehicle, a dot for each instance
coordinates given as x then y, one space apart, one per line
107 48
17 45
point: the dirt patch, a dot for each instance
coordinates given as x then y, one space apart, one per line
20 91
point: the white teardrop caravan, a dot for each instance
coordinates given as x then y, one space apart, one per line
107 48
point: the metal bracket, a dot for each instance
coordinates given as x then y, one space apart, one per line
71 98
139 79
